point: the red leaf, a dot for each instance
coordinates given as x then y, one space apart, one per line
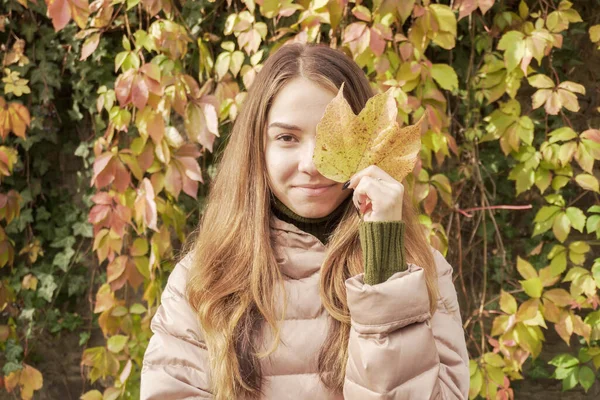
377 42
466 7
173 182
60 13
156 126
123 87
147 157
103 170
431 200
139 92
122 176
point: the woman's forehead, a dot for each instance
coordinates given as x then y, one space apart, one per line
300 103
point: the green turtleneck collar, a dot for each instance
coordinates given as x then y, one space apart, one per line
321 227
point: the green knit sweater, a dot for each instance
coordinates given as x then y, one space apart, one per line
382 242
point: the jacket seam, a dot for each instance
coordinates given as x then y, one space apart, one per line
170 364
405 321
401 383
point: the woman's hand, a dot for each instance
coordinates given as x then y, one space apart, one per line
377 195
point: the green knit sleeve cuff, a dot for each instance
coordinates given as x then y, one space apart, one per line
383 249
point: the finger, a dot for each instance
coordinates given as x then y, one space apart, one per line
369 190
374 172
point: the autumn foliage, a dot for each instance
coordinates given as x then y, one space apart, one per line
110 113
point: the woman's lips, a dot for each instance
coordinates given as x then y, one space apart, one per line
314 191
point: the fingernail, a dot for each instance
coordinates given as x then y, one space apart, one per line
346 185
357 211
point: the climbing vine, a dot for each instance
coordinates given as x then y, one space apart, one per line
112 112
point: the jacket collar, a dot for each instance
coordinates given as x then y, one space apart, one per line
298 253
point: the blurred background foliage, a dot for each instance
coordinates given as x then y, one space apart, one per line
112 113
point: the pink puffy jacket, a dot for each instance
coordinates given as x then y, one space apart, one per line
397 350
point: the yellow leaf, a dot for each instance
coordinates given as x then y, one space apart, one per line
595 33
508 304
559 297
533 287
561 227
541 81
346 143
525 269
588 182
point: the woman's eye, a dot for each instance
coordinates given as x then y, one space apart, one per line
283 137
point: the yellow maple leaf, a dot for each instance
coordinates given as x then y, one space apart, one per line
347 143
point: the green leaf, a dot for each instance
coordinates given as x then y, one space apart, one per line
586 377
63 259
564 361
561 227
571 380
593 224
116 343
83 229
562 134
526 269
508 304
533 287
545 213
445 76
514 48
576 217
137 308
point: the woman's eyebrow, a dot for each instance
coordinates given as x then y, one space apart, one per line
285 126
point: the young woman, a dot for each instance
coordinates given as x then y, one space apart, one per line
287 293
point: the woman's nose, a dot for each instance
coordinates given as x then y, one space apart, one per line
306 163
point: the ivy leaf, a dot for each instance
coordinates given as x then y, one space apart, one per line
14 83
346 143
63 259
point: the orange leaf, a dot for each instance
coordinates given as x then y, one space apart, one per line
90 44
61 12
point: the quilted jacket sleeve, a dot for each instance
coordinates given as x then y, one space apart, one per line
397 350
176 360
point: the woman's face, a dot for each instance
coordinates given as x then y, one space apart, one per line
289 145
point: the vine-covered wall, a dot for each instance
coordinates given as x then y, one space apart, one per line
113 112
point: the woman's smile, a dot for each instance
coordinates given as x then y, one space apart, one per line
314 191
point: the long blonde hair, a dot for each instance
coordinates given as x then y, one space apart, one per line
235 282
